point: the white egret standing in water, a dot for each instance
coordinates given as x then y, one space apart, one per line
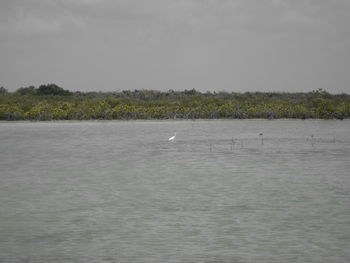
172 138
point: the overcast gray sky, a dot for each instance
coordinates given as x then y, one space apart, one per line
231 45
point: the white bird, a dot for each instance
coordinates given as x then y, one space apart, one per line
172 138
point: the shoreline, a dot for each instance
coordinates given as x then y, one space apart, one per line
49 103
169 120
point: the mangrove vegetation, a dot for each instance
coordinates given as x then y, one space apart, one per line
51 102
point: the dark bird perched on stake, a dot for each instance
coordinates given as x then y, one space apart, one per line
262 138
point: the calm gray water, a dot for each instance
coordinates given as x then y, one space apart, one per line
120 192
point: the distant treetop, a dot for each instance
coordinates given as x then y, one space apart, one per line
52 89
3 90
49 89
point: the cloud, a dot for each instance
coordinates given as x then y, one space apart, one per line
83 2
198 43
269 16
30 24
34 17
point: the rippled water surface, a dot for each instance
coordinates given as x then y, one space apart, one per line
120 192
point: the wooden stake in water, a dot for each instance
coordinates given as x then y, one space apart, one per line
313 140
262 138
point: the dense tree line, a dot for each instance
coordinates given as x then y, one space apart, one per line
50 102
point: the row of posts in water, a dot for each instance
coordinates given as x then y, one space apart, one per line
234 141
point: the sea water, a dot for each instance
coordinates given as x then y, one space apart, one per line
222 191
